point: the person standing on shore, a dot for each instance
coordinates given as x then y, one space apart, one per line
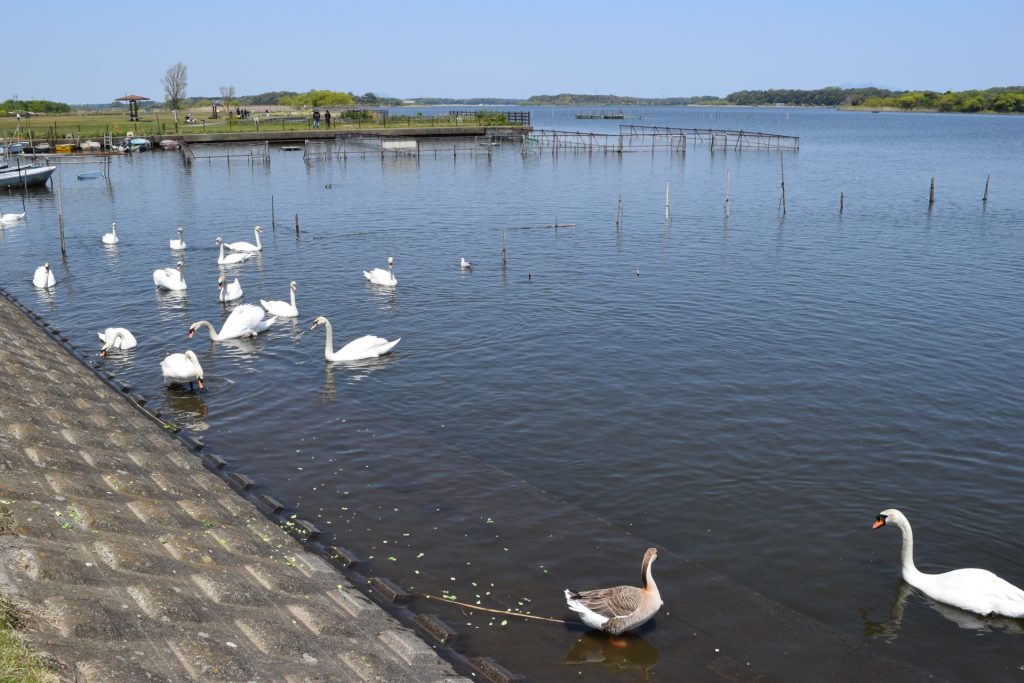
316 118
327 117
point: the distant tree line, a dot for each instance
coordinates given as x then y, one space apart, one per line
38 106
1003 100
616 100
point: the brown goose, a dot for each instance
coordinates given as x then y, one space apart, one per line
619 609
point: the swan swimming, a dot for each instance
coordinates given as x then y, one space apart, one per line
357 349
245 321
182 368
974 590
228 291
43 277
111 237
179 243
246 246
12 217
229 259
170 278
282 309
379 276
116 338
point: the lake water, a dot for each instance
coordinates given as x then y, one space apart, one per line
750 401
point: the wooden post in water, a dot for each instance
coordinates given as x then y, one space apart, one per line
666 200
931 194
782 168
726 193
841 203
618 214
504 253
273 224
296 224
60 214
984 197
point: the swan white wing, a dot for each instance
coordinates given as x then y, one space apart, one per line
379 276
241 321
125 341
177 244
975 590
231 292
178 368
367 346
281 309
11 217
168 278
43 278
242 246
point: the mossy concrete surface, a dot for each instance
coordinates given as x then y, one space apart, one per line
128 561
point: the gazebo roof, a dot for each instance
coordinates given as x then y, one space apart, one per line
131 98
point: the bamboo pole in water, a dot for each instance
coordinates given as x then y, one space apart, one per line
841 203
273 223
782 168
296 224
727 193
931 194
60 213
666 200
984 197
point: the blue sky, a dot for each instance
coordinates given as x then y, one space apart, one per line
87 51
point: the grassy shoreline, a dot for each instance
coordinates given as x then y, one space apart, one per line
81 126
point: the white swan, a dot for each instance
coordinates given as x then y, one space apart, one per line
228 291
282 309
43 277
379 276
179 243
246 246
170 278
465 265
182 368
230 259
357 349
974 590
12 217
116 338
245 321
111 237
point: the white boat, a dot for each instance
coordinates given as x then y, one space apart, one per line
16 176
89 175
169 144
90 146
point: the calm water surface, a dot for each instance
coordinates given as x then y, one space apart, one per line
750 401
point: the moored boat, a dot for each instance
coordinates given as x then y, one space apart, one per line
169 144
17 176
90 146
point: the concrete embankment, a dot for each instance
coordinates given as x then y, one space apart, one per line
130 561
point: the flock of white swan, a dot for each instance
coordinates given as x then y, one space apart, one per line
245 320
612 610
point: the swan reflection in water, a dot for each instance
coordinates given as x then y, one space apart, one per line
889 629
186 408
626 653
352 371
173 304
